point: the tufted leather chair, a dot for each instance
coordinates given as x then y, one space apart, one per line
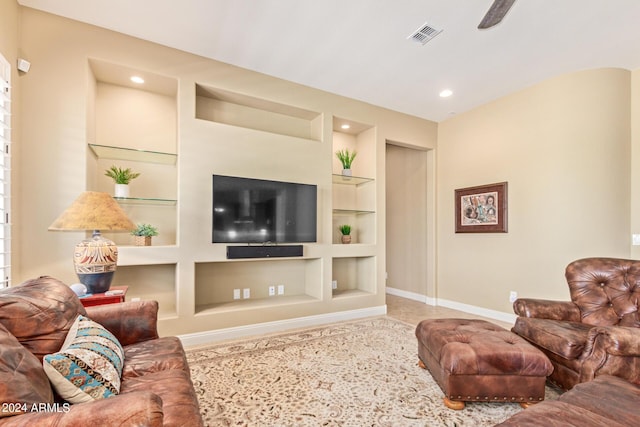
597 332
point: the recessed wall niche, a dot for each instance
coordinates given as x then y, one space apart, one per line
130 118
235 109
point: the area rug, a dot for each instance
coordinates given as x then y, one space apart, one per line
359 373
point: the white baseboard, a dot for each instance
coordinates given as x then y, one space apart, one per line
207 337
411 295
480 311
472 309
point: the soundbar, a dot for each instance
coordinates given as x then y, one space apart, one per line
238 252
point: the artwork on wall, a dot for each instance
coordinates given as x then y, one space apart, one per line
482 209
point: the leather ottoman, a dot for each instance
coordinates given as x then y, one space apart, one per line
477 361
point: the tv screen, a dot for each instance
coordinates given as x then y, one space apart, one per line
247 210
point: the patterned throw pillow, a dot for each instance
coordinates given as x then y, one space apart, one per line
89 364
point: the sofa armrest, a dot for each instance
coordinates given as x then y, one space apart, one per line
612 350
131 322
615 340
140 408
547 309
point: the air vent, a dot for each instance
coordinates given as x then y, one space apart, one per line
423 34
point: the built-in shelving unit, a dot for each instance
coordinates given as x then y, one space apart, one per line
354 201
135 127
231 133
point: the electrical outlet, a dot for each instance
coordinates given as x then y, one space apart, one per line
513 295
334 284
280 289
272 291
236 294
246 293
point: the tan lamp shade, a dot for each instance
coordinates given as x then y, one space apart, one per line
94 259
93 210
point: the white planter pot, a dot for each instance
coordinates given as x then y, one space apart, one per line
346 172
122 190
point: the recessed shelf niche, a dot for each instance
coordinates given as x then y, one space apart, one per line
215 283
222 106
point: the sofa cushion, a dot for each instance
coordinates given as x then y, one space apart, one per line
22 379
39 313
160 354
179 400
566 339
616 399
89 364
558 414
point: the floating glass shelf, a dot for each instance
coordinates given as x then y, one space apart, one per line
144 201
352 211
350 180
120 153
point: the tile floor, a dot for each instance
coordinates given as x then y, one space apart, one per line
413 312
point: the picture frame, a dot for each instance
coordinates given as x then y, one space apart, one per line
481 209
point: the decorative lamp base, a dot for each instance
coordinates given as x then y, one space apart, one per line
95 263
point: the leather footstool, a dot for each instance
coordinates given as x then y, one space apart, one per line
477 361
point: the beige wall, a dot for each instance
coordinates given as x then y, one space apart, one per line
62 104
635 159
563 146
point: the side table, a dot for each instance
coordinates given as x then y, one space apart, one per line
109 297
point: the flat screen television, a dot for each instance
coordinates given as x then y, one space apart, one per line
247 210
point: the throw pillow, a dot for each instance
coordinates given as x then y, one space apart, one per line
89 364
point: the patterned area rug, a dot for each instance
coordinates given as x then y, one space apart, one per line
360 373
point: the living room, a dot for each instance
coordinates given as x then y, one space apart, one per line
560 144
567 144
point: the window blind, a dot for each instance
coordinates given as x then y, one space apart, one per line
5 172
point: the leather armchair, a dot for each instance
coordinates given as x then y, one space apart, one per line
597 332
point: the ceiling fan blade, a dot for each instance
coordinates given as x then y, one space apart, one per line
496 12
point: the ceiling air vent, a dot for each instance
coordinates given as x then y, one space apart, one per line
423 34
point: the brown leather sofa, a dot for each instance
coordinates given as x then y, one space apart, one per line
155 387
597 332
606 401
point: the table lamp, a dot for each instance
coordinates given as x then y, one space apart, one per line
94 259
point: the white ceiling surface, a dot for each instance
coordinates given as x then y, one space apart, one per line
359 48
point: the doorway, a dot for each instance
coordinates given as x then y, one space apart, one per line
409 230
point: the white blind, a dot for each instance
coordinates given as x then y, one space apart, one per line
5 172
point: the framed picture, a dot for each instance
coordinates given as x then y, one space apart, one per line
482 209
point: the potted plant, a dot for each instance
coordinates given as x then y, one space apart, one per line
121 177
143 234
345 230
346 158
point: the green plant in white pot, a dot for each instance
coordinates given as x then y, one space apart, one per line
346 158
345 230
143 234
122 177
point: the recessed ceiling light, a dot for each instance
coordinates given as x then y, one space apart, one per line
446 93
345 126
137 79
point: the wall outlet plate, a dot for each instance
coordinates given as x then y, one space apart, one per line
272 291
280 289
246 293
236 294
334 284
513 295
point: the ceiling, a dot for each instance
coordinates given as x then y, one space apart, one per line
359 48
